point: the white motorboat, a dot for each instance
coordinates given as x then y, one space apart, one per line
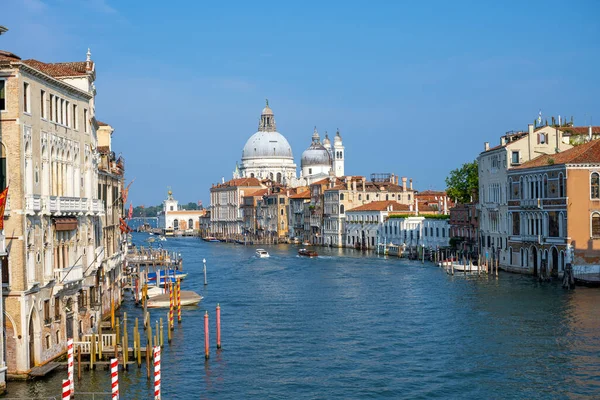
153 291
188 298
262 253
162 238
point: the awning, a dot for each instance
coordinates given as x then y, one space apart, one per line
65 224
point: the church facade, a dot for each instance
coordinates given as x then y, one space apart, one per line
268 155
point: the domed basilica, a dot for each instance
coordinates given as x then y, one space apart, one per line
268 155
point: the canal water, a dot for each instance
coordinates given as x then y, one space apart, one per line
350 325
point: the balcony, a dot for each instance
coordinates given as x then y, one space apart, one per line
532 203
95 206
69 275
33 204
61 205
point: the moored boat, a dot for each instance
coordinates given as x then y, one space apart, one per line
210 239
307 253
170 274
188 298
262 253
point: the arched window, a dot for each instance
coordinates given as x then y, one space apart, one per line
360 196
545 187
270 175
561 186
176 224
2 167
190 224
595 225
341 208
341 196
252 175
279 177
595 185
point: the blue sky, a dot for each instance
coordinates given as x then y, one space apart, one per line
414 87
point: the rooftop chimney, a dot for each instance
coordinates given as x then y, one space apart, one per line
590 133
404 183
530 141
486 146
411 184
364 180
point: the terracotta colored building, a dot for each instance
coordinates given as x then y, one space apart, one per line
554 201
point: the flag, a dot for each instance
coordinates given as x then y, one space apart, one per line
124 227
3 199
125 192
130 215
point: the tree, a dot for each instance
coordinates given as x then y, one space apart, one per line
190 206
463 182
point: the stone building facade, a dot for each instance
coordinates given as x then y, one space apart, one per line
54 221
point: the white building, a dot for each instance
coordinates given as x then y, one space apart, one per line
172 218
415 231
494 163
364 222
267 154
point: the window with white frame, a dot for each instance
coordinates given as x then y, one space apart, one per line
2 95
43 108
26 98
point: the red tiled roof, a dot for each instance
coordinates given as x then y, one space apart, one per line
57 70
8 56
585 153
100 123
382 206
239 182
301 195
580 130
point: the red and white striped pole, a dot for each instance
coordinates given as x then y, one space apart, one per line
70 363
66 391
114 378
156 351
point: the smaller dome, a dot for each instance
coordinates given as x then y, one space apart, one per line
337 139
316 154
326 141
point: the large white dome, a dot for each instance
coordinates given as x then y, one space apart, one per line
267 145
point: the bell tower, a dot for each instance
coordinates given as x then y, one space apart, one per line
339 153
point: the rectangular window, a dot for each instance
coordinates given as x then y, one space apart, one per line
57 308
85 120
68 114
46 310
51 107
515 158
43 104
4 261
2 95
26 105
75 119
62 111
